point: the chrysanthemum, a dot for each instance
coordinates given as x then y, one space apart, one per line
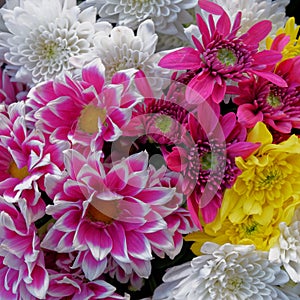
206 159
254 11
25 158
287 249
22 270
223 55
66 286
168 16
292 49
259 100
11 91
113 213
120 49
225 272
265 194
82 110
43 35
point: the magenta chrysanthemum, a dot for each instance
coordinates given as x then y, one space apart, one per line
25 158
82 110
207 159
113 213
259 100
22 270
223 55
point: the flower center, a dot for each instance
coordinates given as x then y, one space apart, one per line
50 50
15 172
226 57
268 178
233 284
273 100
102 211
163 123
208 161
88 120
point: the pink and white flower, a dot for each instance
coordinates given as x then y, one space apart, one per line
25 158
22 270
84 110
112 212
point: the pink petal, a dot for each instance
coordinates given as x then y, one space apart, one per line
40 282
94 73
243 149
211 7
271 77
138 246
257 32
182 59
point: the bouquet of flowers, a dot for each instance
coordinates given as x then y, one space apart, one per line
149 150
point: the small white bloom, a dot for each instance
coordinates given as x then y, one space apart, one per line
227 272
287 249
120 49
42 35
168 16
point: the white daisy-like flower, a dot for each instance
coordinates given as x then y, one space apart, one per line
254 11
168 16
287 249
42 35
229 272
120 49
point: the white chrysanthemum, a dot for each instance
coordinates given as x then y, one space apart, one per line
120 49
254 11
168 16
287 249
42 35
226 272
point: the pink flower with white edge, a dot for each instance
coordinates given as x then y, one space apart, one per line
222 55
66 286
25 158
11 91
84 110
110 212
22 270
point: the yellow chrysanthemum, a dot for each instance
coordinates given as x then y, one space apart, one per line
264 195
292 49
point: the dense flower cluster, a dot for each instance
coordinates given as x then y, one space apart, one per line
149 149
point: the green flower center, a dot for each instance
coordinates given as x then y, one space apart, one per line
208 161
227 57
273 100
163 123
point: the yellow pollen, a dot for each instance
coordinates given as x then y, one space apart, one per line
15 172
88 120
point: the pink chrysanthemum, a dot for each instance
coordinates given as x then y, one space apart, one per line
223 55
22 270
66 286
25 159
259 100
207 159
111 213
162 119
11 91
82 110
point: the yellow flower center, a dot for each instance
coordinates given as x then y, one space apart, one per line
88 120
102 211
15 172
